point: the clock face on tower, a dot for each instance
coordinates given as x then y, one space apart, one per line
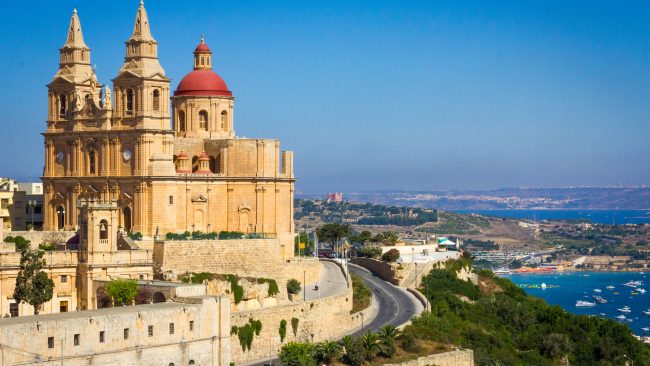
60 156
126 154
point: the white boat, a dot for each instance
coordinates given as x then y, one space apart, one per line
640 290
597 290
622 317
610 287
647 312
629 320
645 329
581 304
625 309
633 284
543 285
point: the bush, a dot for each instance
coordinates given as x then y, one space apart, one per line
48 247
294 326
293 286
122 290
355 353
236 289
9 239
135 236
391 256
283 330
273 286
409 342
21 243
298 354
361 294
369 252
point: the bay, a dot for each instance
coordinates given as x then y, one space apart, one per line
565 288
594 216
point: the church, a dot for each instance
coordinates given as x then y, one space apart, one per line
170 161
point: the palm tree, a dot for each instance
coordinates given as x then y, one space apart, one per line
346 342
328 350
370 345
387 335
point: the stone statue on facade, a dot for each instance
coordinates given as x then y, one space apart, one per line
107 98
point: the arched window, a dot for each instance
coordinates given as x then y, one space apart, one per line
181 121
192 363
213 164
60 218
156 100
126 213
195 164
91 162
202 61
129 100
203 120
62 104
224 120
103 229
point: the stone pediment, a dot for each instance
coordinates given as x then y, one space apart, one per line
158 76
60 80
199 198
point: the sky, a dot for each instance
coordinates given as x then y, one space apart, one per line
379 95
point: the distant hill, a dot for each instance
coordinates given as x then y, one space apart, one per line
606 198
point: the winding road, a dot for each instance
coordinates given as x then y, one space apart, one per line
395 305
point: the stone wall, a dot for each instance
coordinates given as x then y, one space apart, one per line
38 237
159 334
243 257
463 357
328 318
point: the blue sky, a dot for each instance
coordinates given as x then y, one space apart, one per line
380 94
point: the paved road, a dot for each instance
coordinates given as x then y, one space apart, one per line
331 283
396 305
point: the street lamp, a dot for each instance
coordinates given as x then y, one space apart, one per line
361 322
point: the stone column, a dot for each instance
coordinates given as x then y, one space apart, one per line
104 158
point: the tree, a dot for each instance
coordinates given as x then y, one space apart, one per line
33 286
361 237
327 351
391 256
370 345
387 335
298 354
293 286
333 233
122 290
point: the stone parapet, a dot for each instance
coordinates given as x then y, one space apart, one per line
463 357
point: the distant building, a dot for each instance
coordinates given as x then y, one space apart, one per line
12 206
34 203
335 197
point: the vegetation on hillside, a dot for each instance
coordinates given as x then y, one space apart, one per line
361 294
364 213
504 326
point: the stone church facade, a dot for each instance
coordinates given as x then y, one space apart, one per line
171 167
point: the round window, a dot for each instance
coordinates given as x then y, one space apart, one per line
126 154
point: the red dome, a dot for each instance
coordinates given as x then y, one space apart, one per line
202 48
203 82
182 155
204 156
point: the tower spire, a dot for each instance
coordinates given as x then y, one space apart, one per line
75 36
141 29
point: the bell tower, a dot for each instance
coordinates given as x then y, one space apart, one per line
141 88
75 84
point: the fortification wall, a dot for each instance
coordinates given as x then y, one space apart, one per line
243 257
328 318
463 357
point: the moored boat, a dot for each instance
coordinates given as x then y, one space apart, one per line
582 303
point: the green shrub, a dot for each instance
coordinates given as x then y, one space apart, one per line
293 286
48 247
236 289
122 290
9 239
256 324
355 353
298 354
294 325
369 251
391 256
245 335
273 286
408 341
21 243
282 330
135 236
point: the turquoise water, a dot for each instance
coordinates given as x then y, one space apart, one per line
576 286
595 216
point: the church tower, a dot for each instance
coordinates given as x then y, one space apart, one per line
141 87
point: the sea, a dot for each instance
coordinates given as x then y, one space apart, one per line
565 288
594 216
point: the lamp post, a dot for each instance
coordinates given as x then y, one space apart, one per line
304 285
361 322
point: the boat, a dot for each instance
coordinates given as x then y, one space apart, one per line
622 317
629 320
645 329
616 292
597 290
633 284
634 293
543 286
640 290
625 309
582 304
600 300
610 287
647 312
